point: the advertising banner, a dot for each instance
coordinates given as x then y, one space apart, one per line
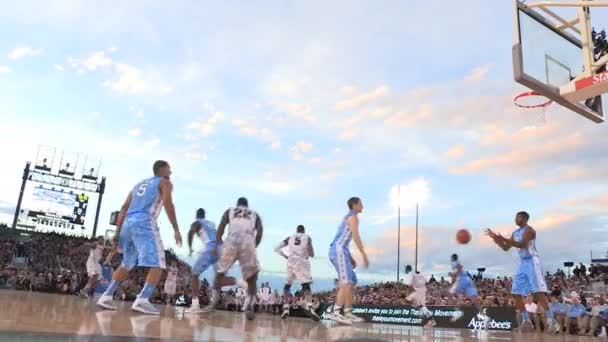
501 318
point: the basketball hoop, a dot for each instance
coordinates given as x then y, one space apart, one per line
534 100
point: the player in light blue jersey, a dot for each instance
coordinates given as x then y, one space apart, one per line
138 235
529 275
463 285
340 257
205 229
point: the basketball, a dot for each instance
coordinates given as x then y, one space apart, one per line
463 236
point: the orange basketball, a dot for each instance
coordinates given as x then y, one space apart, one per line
463 236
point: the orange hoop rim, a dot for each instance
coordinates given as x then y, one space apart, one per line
547 103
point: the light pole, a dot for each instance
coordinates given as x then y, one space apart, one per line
416 252
398 232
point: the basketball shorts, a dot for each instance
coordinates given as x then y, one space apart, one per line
418 297
529 278
93 269
170 288
239 248
464 286
298 270
340 258
141 244
204 261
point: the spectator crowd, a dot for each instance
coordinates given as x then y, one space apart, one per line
55 263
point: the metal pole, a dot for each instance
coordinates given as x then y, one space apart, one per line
416 261
102 188
586 40
398 230
26 174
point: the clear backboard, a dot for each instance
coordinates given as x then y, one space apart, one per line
550 52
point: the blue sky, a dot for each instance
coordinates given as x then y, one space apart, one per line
300 105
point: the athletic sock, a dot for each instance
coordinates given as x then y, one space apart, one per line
112 287
348 311
337 309
147 291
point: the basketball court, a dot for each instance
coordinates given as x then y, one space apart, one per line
32 316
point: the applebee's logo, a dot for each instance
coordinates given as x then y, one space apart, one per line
476 323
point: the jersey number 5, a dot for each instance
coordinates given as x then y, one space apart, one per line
297 241
141 190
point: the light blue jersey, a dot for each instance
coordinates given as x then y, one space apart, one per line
140 237
530 251
529 277
343 235
463 284
339 253
145 200
207 234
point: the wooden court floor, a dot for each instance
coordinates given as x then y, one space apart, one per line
26 316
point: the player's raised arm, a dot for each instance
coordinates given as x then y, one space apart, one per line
311 250
194 228
166 188
280 246
353 224
222 226
499 240
259 228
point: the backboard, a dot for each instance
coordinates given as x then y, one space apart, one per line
552 56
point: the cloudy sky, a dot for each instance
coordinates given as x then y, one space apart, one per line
300 105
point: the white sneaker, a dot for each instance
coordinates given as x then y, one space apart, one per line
194 309
336 317
431 323
553 326
603 333
106 302
526 325
144 306
208 308
353 318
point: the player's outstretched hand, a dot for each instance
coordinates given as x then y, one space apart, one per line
178 238
490 233
365 261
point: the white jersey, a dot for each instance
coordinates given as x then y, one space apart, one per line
298 246
418 281
266 293
242 221
95 254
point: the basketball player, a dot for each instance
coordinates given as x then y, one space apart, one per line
266 292
299 249
340 257
93 266
529 275
205 230
463 285
241 295
171 283
244 235
139 236
418 297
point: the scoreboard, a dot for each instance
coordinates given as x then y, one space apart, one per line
58 205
